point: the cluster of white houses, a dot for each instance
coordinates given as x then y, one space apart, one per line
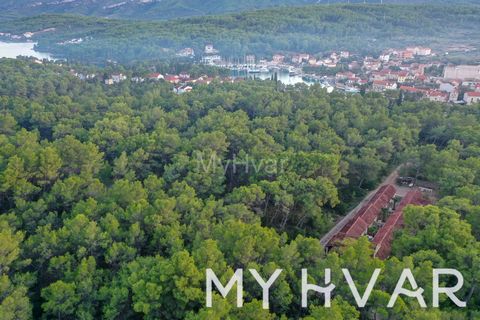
182 82
444 89
457 80
398 70
394 69
24 36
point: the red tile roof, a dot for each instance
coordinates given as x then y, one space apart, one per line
436 93
383 238
170 77
473 94
412 89
359 224
154 75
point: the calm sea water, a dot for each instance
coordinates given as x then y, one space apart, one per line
14 49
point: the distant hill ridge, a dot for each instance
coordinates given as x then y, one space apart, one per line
366 29
170 9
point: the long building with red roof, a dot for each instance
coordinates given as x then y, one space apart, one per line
384 237
365 217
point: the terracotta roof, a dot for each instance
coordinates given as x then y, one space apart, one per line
359 224
473 94
411 89
383 238
436 93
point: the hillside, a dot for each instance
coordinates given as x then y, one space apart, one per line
168 9
313 29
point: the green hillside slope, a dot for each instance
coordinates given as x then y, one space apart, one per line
363 28
167 9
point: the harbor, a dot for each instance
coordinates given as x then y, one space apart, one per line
287 75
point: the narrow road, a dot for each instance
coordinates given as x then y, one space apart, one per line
392 177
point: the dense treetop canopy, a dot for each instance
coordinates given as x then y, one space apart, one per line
115 199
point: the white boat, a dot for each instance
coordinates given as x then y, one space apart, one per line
352 90
294 71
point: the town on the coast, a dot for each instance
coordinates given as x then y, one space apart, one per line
416 71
